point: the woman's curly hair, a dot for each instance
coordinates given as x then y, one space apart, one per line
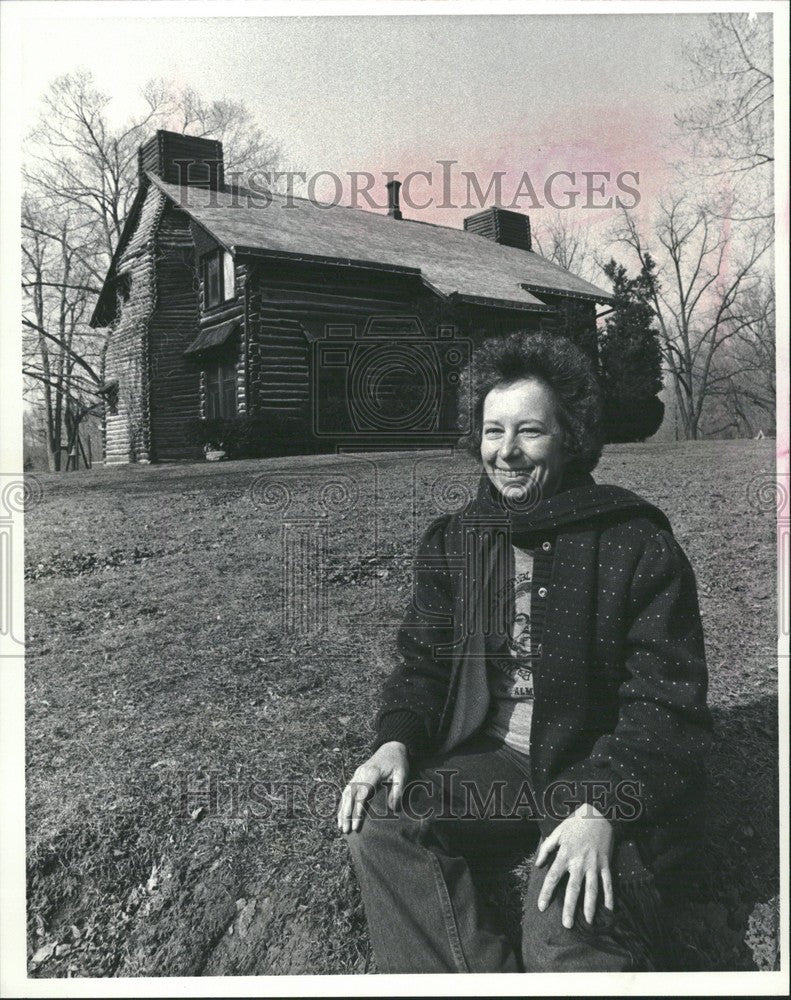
553 359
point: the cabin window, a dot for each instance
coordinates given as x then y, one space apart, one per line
212 280
218 278
221 391
228 276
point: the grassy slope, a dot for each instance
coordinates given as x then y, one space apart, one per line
157 653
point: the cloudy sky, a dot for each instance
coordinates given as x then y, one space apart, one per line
519 93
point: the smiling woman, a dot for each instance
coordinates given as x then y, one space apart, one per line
566 707
522 444
557 390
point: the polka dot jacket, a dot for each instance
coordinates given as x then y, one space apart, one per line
619 669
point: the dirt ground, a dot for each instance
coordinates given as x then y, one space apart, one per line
195 698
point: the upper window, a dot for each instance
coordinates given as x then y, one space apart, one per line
212 280
228 277
218 278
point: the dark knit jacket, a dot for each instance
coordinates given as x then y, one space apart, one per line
620 681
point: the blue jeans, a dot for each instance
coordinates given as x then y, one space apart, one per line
423 910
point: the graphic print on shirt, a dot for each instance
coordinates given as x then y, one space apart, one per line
519 643
515 679
510 677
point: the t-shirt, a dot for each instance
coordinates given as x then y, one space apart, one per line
511 677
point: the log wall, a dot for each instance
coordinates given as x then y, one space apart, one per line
174 381
290 306
480 323
127 431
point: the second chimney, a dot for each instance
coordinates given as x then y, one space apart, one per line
394 199
512 229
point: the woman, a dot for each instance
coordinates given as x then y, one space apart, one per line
589 732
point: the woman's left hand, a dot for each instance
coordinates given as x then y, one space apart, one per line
584 843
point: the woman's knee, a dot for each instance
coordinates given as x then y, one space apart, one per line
548 946
412 819
379 823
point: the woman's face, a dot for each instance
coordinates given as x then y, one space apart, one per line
522 440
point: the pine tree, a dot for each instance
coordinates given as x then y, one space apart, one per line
630 358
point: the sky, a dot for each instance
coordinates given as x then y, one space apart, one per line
518 93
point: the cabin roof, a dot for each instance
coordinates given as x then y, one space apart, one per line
454 263
451 261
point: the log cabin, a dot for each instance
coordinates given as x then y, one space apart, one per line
328 326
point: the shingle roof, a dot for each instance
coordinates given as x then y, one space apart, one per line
451 261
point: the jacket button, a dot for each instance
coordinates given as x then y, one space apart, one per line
547 546
542 591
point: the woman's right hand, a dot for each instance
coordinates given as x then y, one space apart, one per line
389 763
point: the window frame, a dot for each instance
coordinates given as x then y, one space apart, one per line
228 269
224 261
219 377
210 259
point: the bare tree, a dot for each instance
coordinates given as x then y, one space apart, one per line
80 176
77 158
61 355
80 179
728 115
563 240
705 281
728 122
745 397
245 144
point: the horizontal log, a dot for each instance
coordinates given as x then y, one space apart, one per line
295 405
271 341
343 311
283 352
221 316
282 398
278 378
296 367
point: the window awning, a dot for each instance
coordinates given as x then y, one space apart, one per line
213 336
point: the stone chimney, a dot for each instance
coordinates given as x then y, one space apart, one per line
512 229
183 159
